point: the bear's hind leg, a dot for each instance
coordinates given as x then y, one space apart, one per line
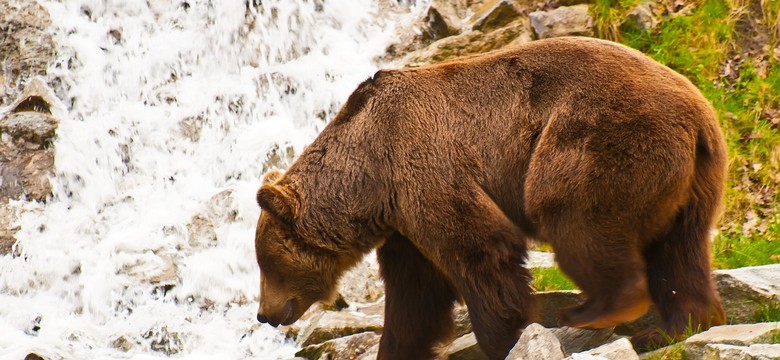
418 302
611 273
681 286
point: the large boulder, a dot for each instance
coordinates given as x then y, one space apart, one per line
536 342
563 21
749 291
26 48
740 335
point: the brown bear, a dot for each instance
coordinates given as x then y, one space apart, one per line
449 170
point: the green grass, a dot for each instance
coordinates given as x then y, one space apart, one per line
702 42
548 279
768 313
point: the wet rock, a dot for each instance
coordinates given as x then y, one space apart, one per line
452 12
26 48
279 158
465 348
123 344
345 348
362 284
200 232
474 42
494 14
733 352
25 171
746 292
166 342
741 335
34 356
335 324
563 21
222 207
536 342
616 350
32 127
8 229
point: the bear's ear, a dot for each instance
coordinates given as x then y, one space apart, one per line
280 201
271 176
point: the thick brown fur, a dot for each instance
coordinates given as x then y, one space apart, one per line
616 161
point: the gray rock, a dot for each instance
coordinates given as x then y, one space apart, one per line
733 352
640 18
574 340
344 348
200 232
563 21
494 14
33 127
335 324
540 259
362 284
465 348
616 350
745 292
742 335
166 342
536 342
26 47
550 304
474 42
462 320
436 26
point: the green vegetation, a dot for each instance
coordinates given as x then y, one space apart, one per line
548 279
729 50
768 313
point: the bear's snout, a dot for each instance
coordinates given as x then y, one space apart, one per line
285 315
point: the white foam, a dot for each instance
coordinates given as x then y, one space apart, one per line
128 178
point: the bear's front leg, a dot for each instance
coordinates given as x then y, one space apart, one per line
418 303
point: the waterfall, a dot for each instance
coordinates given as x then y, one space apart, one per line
173 109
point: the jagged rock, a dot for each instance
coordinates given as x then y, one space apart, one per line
25 171
574 340
616 350
26 129
200 232
26 48
733 352
123 344
437 26
32 127
741 335
475 42
161 271
278 159
465 348
362 284
494 14
640 18
452 12
745 292
536 342
462 320
166 342
335 324
563 21
344 348
222 207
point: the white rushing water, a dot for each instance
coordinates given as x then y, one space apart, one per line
171 111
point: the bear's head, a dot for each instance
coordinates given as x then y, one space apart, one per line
295 269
